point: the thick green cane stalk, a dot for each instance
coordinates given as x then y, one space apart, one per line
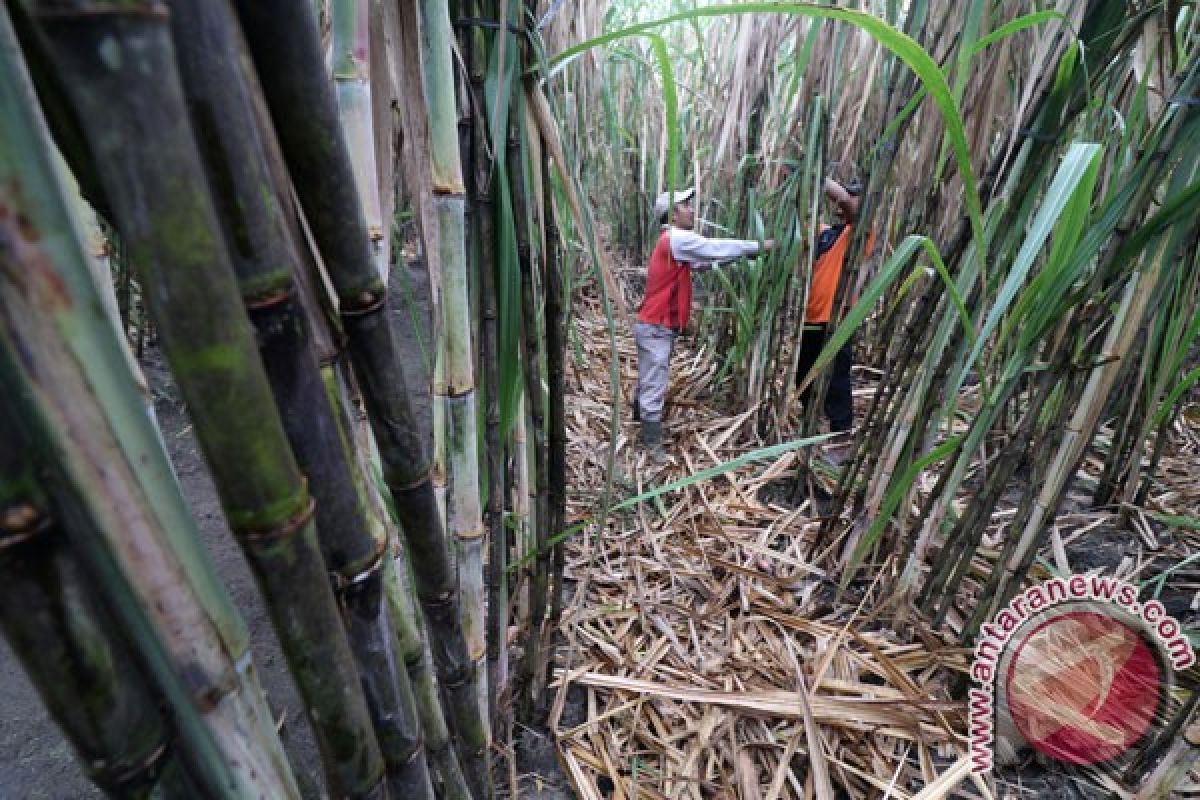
112 523
70 648
303 109
464 514
60 116
182 623
222 102
352 79
532 668
118 67
484 254
448 780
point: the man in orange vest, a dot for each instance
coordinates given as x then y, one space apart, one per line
668 302
832 243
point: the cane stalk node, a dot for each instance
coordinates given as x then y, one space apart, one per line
20 523
287 528
343 582
367 301
270 299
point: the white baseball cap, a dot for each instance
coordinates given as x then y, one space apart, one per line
664 201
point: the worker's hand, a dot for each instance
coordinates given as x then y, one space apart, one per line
769 244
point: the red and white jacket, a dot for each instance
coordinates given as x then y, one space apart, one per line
668 300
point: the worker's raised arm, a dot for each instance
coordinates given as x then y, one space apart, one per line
847 202
700 251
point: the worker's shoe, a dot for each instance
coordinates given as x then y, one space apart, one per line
839 449
652 440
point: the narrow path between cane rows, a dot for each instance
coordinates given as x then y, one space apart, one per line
708 652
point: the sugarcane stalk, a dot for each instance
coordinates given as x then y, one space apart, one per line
463 511
177 614
62 122
263 257
303 109
1128 418
227 736
464 515
535 393
497 572
403 616
1056 105
483 249
1078 432
1136 295
352 82
556 300
70 646
175 243
449 781
1173 336
519 487
962 541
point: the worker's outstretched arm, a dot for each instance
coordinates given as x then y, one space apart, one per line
700 251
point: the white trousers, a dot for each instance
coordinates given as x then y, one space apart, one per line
654 343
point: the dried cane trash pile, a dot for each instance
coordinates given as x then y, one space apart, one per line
712 658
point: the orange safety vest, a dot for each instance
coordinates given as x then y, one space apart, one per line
668 300
827 271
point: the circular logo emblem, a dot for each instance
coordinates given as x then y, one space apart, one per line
1082 686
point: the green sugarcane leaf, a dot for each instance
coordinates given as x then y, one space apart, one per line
1071 172
1184 521
1159 581
1015 26
1183 206
968 37
670 108
1039 303
1184 343
1168 403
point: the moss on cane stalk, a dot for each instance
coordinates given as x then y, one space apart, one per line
238 156
73 392
165 216
303 109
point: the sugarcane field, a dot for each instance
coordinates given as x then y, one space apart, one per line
599 399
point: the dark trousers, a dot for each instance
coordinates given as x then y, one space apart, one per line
839 404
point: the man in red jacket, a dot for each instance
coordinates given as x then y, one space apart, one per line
668 301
